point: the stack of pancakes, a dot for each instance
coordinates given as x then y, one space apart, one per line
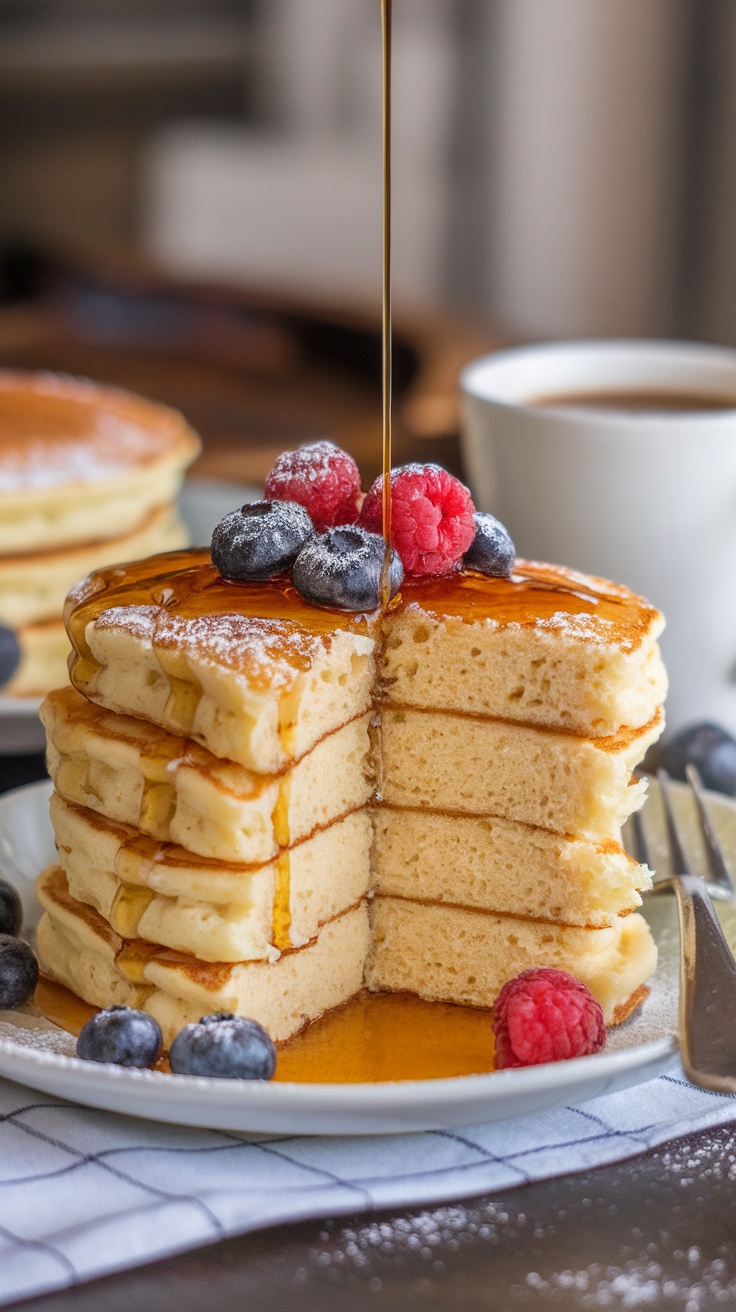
88 477
261 806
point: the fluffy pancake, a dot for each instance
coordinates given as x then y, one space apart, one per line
78 948
80 462
549 647
452 954
170 641
215 911
498 865
253 673
33 588
570 785
44 655
175 791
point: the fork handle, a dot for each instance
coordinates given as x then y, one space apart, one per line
707 990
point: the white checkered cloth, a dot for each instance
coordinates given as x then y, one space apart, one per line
84 1193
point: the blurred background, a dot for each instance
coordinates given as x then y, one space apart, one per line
199 181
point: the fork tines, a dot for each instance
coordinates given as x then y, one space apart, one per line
719 883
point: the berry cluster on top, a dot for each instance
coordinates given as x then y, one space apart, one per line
316 522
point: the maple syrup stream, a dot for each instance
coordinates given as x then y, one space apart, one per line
386 314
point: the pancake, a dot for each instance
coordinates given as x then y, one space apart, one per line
253 689
81 462
451 954
33 588
173 790
76 947
44 657
551 647
256 651
216 911
569 785
498 865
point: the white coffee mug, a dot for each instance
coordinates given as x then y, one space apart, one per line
645 498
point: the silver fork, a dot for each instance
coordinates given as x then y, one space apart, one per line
707 966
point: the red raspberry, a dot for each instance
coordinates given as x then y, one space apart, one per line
546 1015
322 478
432 517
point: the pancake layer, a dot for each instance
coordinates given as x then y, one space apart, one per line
175 791
88 478
173 643
214 911
497 865
570 785
552 647
34 587
451 954
78 948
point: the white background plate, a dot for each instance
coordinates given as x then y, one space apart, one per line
202 503
36 1054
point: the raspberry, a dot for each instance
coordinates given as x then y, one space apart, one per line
546 1015
432 517
322 478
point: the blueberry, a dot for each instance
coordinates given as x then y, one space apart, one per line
491 551
121 1036
260 540
709 748
342 568
18 972
225 1047
9 654
11 909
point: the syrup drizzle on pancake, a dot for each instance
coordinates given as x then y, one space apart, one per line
386 317
180 601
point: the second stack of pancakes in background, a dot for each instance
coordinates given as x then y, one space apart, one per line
88 477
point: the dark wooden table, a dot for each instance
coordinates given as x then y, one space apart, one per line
658 1231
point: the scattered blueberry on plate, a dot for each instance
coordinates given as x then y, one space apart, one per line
11 909
224 1047
18 972
121 1036
491 551
9 654
342 569
710 749
260 540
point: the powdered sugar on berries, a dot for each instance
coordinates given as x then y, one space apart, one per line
432 518
322 478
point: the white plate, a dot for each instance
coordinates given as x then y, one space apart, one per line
203 503
37 1054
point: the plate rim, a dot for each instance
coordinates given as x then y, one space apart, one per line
526 1079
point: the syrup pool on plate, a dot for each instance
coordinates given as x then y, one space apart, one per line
370 1039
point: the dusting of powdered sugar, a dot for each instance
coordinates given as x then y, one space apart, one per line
242 643
138 620
29 1030
585 628
96 457
256 647
645 1237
